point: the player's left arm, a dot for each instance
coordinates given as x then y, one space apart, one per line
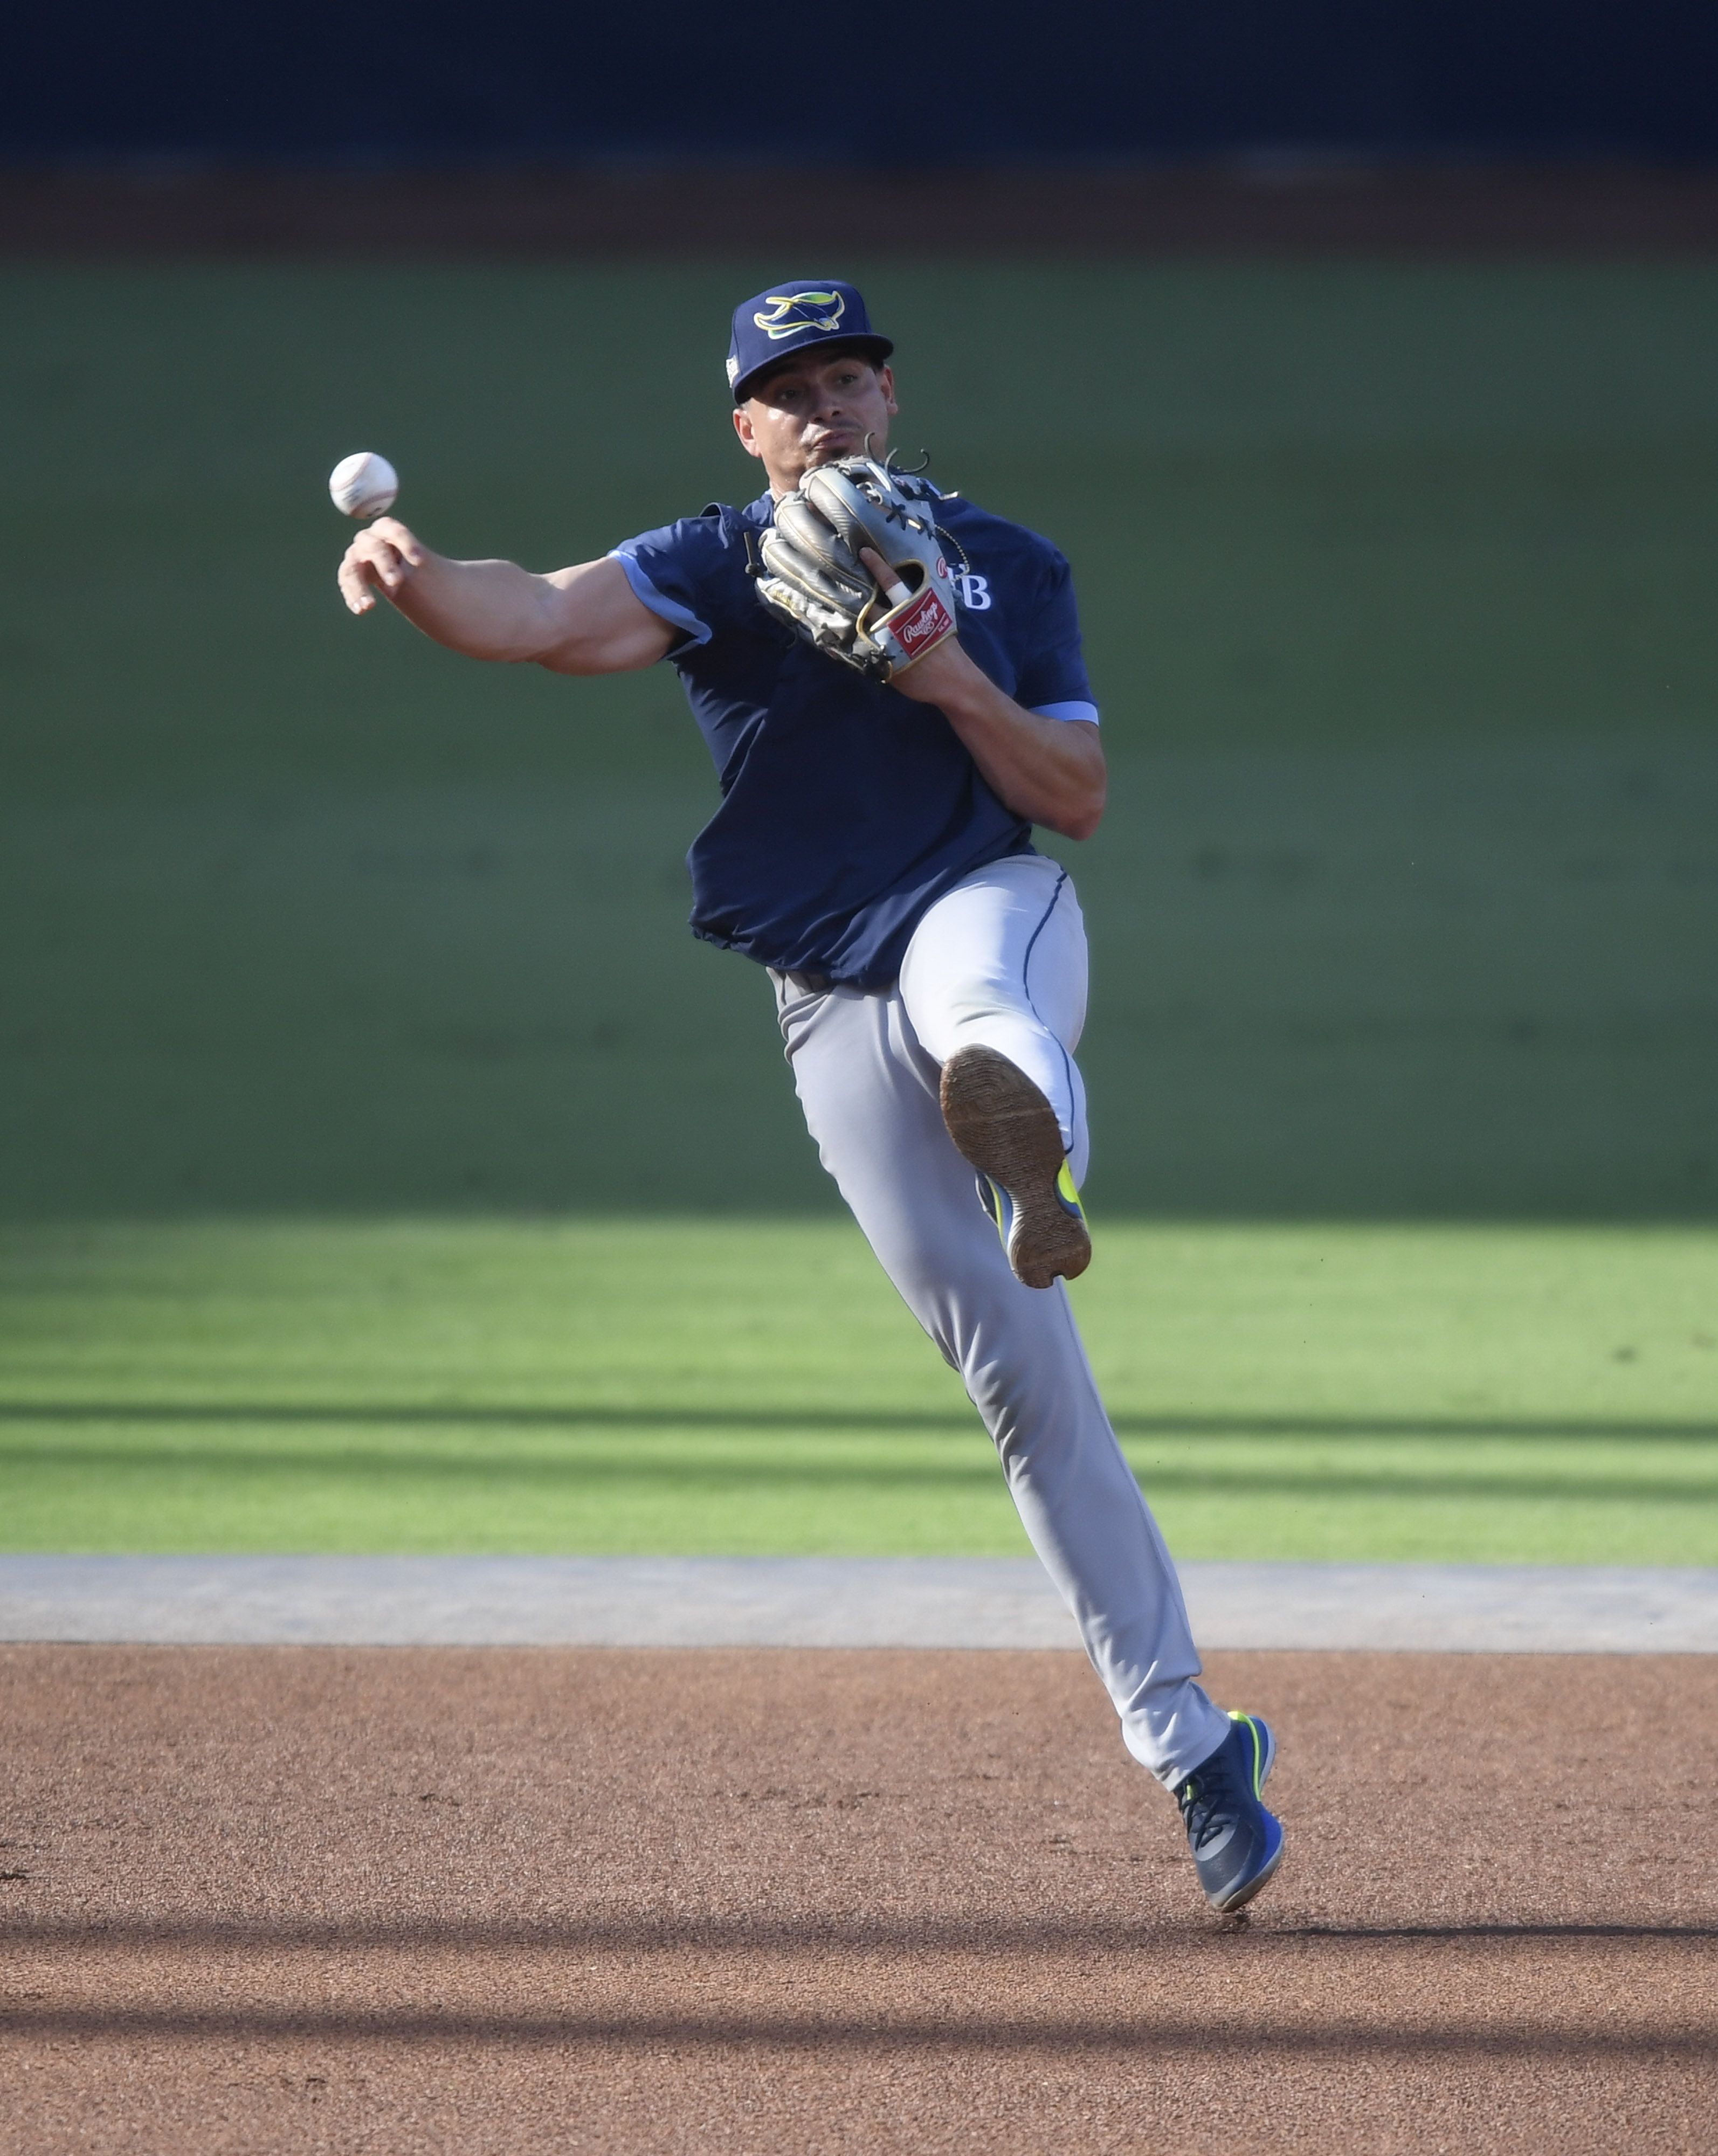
1050 770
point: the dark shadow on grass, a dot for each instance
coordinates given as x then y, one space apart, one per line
906 1421
684 1470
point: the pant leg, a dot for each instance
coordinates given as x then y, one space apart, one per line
999 962
869 1092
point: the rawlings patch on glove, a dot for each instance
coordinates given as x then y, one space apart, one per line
816 580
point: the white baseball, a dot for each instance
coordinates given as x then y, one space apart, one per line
363 485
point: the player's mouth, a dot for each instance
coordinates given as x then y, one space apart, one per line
833 441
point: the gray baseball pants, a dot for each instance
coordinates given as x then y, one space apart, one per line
1001 960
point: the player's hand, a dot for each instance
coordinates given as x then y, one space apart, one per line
381 559
944 675
943 668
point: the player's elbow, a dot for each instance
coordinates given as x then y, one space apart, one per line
603 646
575 655
1072 815
592 623
1081 822
1083 810
575 639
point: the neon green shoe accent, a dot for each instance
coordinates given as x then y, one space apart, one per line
1068 1192
1257 1752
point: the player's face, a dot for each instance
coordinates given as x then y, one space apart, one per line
812 411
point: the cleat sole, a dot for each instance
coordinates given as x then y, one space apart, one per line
1002 1124
1239 1897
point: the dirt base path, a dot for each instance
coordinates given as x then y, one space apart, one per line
781 1900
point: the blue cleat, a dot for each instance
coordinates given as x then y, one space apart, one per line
1237 1844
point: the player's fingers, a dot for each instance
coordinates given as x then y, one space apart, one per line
354 583
370 563
382 559
404 541
885 577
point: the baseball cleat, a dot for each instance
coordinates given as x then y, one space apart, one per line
1004 1126
1237 1844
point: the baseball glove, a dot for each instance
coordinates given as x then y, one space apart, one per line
814 578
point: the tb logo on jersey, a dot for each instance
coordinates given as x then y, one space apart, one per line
974 591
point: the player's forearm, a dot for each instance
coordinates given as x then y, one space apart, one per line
485 609
582 620
1050 770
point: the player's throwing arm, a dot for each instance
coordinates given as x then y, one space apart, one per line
580 621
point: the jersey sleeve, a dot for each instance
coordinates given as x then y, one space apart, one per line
1052 681
675 571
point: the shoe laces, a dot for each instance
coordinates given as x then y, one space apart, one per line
1207 1802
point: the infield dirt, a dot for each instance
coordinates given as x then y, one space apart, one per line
285 1899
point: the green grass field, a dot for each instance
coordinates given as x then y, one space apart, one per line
1336 1392
1396 581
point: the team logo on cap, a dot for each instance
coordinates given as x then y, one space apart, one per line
800 310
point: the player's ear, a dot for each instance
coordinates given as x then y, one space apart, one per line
742 427
886 382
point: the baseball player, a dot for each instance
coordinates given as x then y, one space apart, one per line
890 682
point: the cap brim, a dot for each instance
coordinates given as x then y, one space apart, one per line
877 348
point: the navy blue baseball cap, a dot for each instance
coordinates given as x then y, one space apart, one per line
785 318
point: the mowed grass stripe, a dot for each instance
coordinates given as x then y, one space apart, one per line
1506 1394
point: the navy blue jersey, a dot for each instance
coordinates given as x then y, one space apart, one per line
846 808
